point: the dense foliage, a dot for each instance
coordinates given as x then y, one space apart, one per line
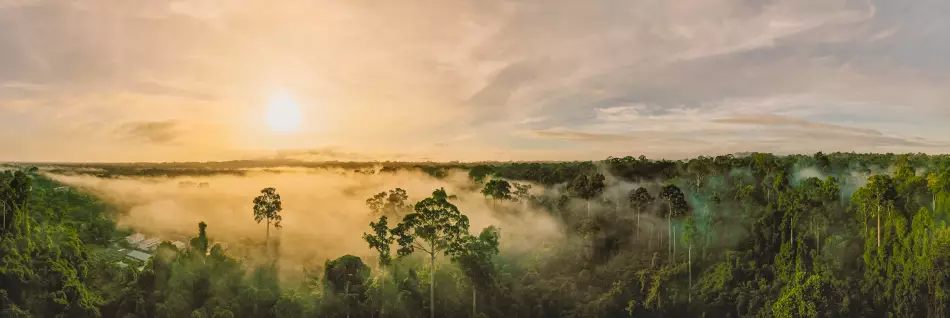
729 236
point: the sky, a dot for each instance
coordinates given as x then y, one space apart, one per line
194 80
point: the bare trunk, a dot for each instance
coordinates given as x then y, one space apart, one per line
878 227
650 239
638 223
673 241
432 283
689 297
669 221
617 198
267 239
588 209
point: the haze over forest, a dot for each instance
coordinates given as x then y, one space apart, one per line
490 158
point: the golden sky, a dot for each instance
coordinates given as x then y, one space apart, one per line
192 80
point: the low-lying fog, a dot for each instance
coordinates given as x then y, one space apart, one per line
324 214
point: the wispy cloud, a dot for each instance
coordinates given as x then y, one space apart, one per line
154 132
776 120
460 80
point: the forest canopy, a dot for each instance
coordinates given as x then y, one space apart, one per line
749 235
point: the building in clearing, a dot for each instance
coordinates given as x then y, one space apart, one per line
135 238
179 244
150 244
139 256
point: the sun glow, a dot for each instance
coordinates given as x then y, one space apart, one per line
283 114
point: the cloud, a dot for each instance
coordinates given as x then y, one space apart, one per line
577 136
160 132
404 78
776 120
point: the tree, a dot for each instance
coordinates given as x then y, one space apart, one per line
14 193
639 200
883 192
200 243
690 235
347 276
522 194
380 240
267 206
474 257
497 190
587 188
677 206
937 183
699 168
389 204
435 227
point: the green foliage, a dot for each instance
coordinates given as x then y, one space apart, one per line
380 240
497 189
267 206
389 204
856 235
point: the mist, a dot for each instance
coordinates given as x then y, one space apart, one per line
324 212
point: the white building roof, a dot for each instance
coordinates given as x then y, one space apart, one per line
179 244
136 255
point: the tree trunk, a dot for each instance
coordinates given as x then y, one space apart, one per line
432 283
650 239
669 221
878 227
689 297
588 209
638 223
673 242
267 239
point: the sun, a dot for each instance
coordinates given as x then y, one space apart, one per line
283 113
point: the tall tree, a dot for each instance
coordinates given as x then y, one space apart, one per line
200 243
676 202
690 234
883 192
380 240
347 276
587 188
390 204
699 168
474 256
639 200
435 227
267 206
522 194
497 190
937 183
